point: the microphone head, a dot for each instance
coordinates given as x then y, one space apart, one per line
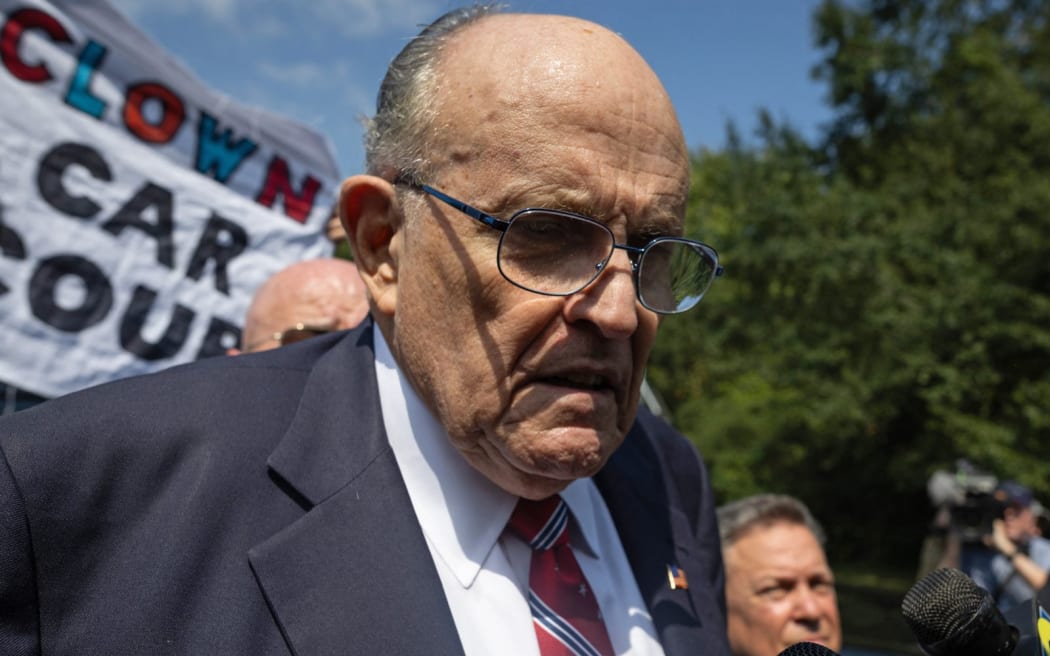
807 649
950 614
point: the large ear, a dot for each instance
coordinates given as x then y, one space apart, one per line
370 215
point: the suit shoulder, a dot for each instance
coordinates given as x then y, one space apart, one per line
221 410
668 442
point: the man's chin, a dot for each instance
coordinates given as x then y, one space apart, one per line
536 461
541 481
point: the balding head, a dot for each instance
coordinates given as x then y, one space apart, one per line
554 75
325 294
478 58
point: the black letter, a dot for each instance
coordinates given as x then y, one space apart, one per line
131 327
10 246
53 166
219 331
97 301
150 195
209 248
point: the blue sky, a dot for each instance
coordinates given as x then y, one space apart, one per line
321 61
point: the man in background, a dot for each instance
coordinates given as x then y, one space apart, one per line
779 587
467 471
1013 561
305 299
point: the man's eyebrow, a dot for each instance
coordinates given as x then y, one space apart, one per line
551 197
655 218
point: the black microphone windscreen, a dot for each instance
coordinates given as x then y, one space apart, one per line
950 614
807 649
942 602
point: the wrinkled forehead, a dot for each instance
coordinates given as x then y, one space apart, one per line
526 52
539 63
518 86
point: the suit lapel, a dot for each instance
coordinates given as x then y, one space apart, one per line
652 531
353 574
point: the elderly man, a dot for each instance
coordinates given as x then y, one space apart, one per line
779 587
462 474
302 300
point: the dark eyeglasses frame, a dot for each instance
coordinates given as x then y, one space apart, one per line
281 337
634 253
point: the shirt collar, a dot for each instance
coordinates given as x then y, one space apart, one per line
462 513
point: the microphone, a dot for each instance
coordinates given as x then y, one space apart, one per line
807 649
949 614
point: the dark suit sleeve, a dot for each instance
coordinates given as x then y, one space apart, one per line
18 601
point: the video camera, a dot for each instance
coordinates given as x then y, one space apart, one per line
969 494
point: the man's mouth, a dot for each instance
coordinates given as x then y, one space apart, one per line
584 381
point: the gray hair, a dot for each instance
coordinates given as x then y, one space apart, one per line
740 516
397 137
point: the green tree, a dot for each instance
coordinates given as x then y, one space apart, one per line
885 309
944 112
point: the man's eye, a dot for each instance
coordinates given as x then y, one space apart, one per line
773 593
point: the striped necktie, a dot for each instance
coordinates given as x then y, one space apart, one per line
564 611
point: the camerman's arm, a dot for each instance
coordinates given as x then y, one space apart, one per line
951 556
1032 573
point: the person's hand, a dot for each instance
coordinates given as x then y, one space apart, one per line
334 229
1000 541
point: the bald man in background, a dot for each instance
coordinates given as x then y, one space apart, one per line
303 300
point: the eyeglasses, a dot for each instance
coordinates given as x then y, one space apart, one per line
558 253
296 333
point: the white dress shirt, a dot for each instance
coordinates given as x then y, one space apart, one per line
484 569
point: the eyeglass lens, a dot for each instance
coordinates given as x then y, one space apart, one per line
561 253
553 253
293 335
674 274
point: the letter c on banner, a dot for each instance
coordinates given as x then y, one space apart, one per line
16 25
53 167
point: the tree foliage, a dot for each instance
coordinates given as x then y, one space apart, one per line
886 306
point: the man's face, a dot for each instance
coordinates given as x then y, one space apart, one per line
1020 524
779 591
536 391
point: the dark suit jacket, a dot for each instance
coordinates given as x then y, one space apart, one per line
252 505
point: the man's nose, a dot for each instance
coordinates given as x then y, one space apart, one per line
610 301
807 604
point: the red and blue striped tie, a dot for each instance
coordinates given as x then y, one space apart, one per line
564 611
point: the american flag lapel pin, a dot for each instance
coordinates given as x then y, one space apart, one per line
676 578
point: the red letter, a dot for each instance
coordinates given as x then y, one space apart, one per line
297 206
171 118
17 24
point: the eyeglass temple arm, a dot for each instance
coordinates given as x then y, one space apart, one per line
487 219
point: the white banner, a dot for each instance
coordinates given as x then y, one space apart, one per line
139 209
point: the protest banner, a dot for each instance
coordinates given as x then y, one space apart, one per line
139 209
